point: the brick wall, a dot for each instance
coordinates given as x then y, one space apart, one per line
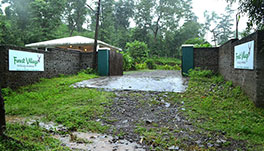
206 58
222 60
251 81
56 62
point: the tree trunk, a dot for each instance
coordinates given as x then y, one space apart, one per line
96 36
2 114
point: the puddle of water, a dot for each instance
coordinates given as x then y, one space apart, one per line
136 83
98 142
83 141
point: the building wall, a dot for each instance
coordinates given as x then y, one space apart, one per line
206 58
56 61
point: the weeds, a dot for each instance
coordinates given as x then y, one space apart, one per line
55 100
222 107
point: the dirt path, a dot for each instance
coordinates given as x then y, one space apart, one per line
152 119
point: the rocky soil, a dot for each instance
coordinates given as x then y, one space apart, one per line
153 110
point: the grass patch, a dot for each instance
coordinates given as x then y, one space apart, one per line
55 100
216 105
21 137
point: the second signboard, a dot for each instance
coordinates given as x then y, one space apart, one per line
244 56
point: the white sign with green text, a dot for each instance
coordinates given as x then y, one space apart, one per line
25 61
244 56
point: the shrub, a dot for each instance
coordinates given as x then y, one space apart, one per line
151 64
177 67
141 66
128 62
200 73
6 91
138 51
88 70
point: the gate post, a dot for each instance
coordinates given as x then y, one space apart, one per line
187 59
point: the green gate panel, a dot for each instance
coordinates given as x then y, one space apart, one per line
187 59
103 62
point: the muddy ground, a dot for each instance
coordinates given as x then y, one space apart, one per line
154 110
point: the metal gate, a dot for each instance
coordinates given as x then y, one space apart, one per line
187 59
110 63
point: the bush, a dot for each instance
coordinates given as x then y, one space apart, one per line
128 62
151 64
200 73
88 70
138 51
141 66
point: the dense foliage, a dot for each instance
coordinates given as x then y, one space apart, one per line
138 51
164 25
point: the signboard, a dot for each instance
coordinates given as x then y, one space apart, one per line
244 56
25 61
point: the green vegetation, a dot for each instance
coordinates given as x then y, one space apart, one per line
211 103
21 137
216 105
198 43
138 51
161 63
54 100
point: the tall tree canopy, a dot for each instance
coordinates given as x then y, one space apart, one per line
254 9
75 15
162 24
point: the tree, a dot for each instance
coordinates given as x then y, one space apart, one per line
9 33
225 26
75 14
222 25
46 17
123 12
254 9
34 20
17 21
107 25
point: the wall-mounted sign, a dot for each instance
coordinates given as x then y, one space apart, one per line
244 56
25 61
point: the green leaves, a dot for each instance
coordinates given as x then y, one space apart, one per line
138 50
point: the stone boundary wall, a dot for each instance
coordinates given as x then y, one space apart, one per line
56 62
206 58
222 60
251 81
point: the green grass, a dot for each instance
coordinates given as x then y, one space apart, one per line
54 100
21 137
216 105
